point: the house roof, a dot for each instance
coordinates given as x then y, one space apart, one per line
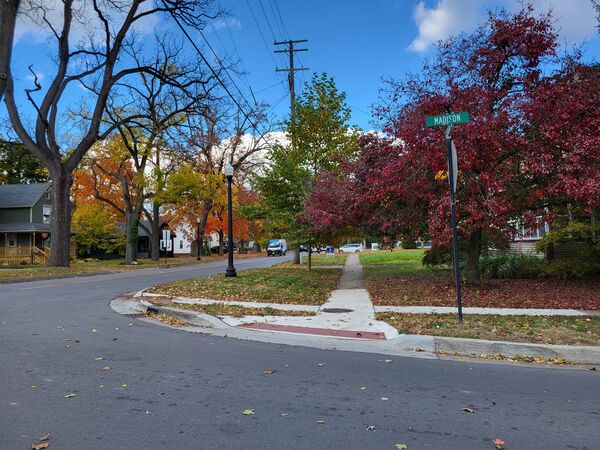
21 195
142 232
24 227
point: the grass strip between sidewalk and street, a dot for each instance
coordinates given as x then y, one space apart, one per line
271 285
224 309
320 260
561 330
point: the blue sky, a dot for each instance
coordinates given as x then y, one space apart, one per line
357 42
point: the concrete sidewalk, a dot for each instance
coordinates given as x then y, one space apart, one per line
347 313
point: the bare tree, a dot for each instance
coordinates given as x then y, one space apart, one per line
100 63
8 19
219 137
159 101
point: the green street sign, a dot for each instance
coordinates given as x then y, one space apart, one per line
447 119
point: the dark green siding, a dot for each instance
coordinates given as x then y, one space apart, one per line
15 215
38 208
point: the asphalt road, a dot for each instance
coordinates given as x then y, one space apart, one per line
169 389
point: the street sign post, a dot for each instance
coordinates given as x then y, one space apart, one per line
449 120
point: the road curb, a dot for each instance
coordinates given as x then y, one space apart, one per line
467 347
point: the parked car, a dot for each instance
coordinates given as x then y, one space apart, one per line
351 248
277 247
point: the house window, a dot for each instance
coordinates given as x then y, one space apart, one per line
535 232
180 244
46 213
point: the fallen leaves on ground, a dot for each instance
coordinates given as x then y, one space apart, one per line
41 443
166 318
70 395
248 412
469 410
438 290
499 443
401 446
371 428
224 309
269 372
106 368
565 330
275 284
320 422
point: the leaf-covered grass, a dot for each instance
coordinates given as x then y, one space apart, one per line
399 279
224 309
534 329
438 290
274 285
27 272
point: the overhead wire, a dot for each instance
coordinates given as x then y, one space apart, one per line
212 70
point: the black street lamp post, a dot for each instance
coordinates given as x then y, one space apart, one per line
230 272
198 240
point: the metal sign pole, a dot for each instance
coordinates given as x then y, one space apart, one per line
451 179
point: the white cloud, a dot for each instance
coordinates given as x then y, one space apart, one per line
575 20
448 18
229 22
85 25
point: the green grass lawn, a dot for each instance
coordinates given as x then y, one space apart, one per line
396 263
581 330
274 285
318 260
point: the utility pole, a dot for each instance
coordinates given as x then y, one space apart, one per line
290 50
291 70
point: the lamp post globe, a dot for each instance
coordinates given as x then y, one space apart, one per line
230 272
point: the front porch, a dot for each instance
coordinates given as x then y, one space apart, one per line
26 246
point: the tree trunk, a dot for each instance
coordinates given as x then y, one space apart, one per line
203 220
297 255
155 234
309 257
60 222
473 254
132 223
221 239
8 19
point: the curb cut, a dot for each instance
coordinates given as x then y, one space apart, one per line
467 347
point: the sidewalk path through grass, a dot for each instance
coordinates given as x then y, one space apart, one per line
347 313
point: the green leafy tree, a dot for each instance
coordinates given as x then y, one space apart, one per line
95 229
320 136
17 165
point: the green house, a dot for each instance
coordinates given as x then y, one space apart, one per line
25 215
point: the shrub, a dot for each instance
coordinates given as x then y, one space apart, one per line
437 256
408 244
569 269
511 265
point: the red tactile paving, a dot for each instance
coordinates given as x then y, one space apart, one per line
317 331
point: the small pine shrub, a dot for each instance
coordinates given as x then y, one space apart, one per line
408 244
511 265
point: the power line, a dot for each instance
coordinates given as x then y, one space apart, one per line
267 19
223 66
215 74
